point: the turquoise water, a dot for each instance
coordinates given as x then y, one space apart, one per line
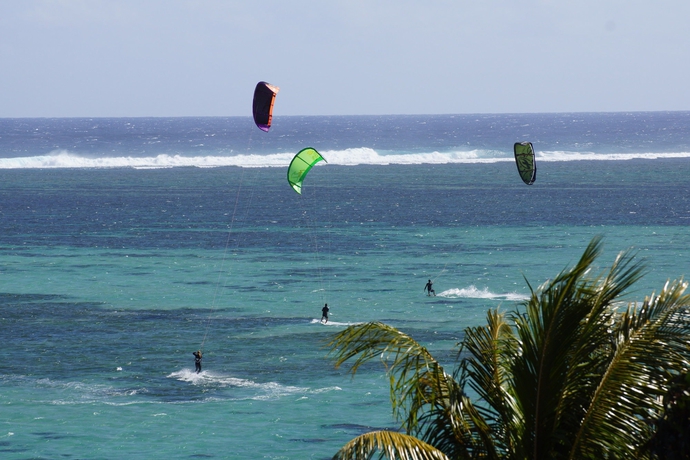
112 277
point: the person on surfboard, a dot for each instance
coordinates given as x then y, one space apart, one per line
324 313
197 361
429 289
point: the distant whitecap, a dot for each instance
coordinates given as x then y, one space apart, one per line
472 292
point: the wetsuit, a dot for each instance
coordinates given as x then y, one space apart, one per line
197 361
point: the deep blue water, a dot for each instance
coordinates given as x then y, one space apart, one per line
563 136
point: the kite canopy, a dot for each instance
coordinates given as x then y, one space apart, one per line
526 165
300 166
264 96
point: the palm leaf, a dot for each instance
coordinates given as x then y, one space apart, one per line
488 373
561 335
428 401
455 426
591 346
651 347
410 366
389 444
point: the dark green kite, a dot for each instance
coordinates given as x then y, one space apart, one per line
526 165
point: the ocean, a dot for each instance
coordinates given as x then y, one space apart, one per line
128 243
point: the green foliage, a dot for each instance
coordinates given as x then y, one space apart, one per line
671 440
570 375
391 445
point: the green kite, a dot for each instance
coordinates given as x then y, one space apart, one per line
300 166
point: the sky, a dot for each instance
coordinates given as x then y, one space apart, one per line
171 58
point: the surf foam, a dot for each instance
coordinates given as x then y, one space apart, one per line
263 391
472 292
331 323
348 157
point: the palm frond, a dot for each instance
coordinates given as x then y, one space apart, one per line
388 444
455 426
591 348
651 346
561 333
375 339
411 368
488 372
427 400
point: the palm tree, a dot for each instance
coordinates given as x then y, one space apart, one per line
573 374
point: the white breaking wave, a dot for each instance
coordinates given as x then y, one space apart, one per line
472 292
206 377
347 157
331 323
591 156
263 391
64 159
367 156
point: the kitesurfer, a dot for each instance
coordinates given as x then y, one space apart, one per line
324 313
429 289
197 361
